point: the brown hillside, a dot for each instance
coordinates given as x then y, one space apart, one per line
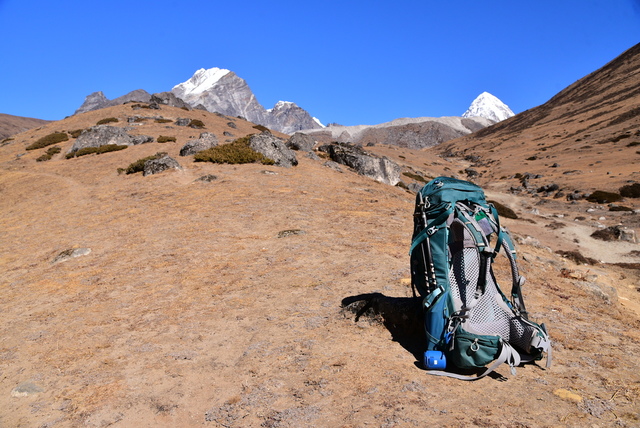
10 125
587 137
218 304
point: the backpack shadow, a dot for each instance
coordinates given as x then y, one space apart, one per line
402 316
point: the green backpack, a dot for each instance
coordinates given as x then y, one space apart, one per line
469 322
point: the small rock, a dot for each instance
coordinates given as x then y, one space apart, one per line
70 254
290 232
207 178
26 389
155 166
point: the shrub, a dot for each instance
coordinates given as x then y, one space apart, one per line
196 123
503 210
138 166
107 120
236 152
620 208
76 133
6 141
416 177
49 154
97 150
163 120
48 140
633 144
165 139
261 128
630 190
577 257
602 197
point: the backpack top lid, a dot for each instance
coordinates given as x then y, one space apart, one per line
449 190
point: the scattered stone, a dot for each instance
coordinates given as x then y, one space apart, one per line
302 142
606 292
26 389
182 121
615 233
207 178
333 165
232 125
169 99
206 141
154 166
70 254
273 148
142 139
290 232
227 134
313 156
576 195
577 257
267 172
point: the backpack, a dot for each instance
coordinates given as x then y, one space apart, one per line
469 321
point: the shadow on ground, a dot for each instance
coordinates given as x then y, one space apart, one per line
402 316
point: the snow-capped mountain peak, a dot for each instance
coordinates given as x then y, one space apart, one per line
489 107
201 81
281 105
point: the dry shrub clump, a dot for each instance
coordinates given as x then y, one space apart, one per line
138 166
76 133
97 150
236 152
48 140
165 139
107 120
577 257
49 153
163 120
416 177
630 190
196 123
261 128
503 210
602 197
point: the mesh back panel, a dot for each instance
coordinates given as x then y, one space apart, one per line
488 317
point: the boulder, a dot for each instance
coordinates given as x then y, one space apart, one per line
273 148
155 166
101 135
382 169
302 142
182 121
142 139
169 99
204 142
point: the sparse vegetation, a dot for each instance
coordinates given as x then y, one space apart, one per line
261 128
48 140
633 144
620 208
49 153
630 190
163 120
137 106
6 141
97 150
602 197
577 257
76 133
196 123
236 152
138 166
503 210
165 139
416 177
107 120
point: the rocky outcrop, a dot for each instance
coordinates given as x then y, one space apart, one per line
154 166
101 135
364 163
168 99
204 142
273 148
301 142
287 117
97 100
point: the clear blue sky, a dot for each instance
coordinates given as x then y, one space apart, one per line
351 62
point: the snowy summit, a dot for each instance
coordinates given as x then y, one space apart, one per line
489 107
201 81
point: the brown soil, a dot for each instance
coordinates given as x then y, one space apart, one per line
190 310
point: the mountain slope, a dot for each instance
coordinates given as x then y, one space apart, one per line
10 125
585 138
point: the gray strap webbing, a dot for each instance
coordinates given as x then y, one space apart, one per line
507 355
